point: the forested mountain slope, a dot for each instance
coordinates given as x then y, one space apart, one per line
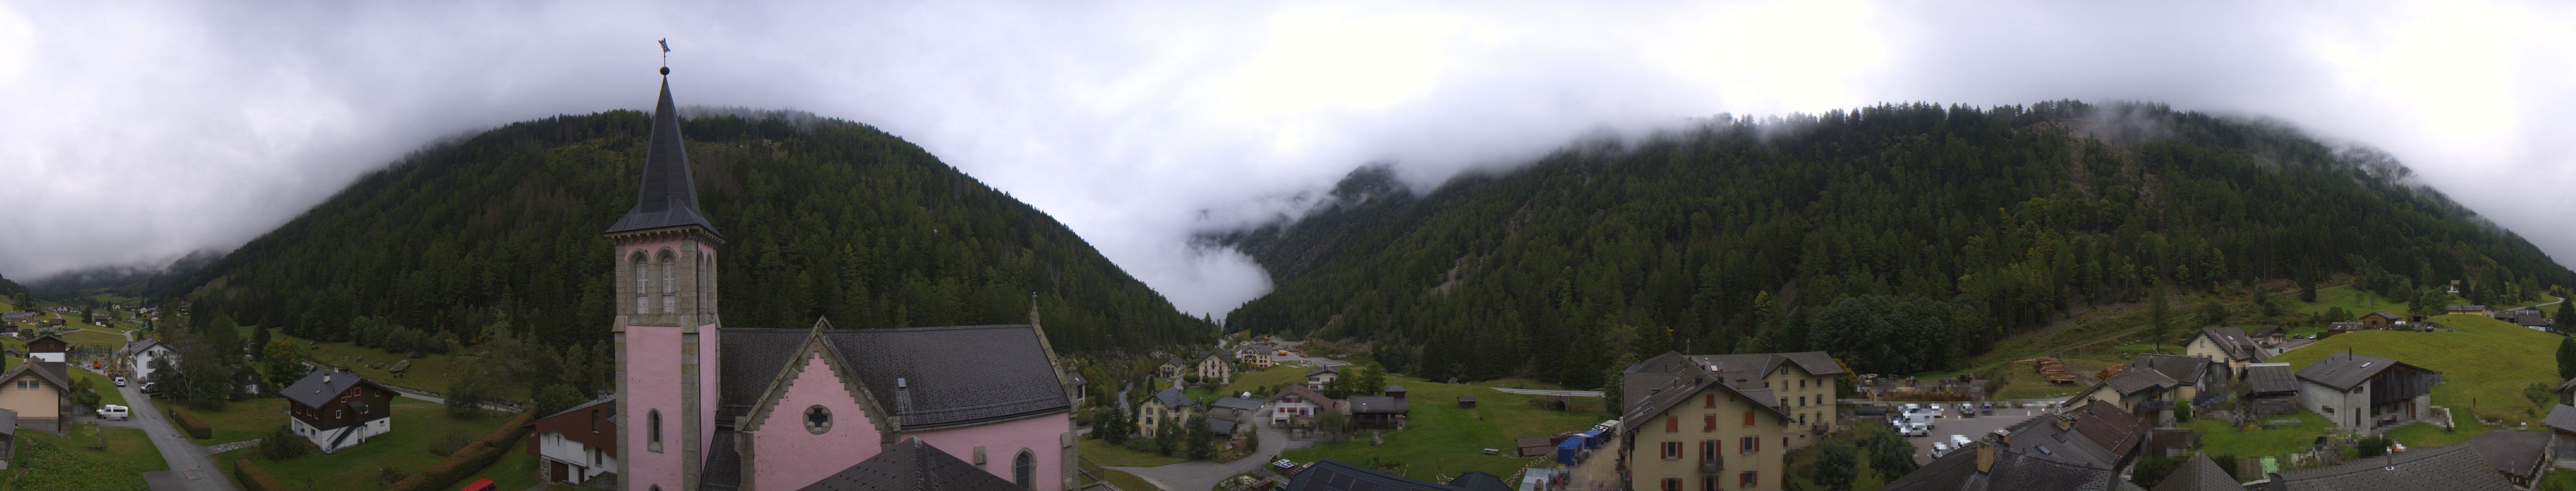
1960 225
821 217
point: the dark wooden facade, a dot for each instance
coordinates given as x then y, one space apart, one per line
48 344
362 402
590 426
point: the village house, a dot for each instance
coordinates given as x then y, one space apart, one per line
2334 328
2381 320
2528 318
2081 449
2227 345
1297 407
139 355
2522 456
1166 410
38 394
1173 369
577 445
2452 468
2562 431
1323 378
48 348
2271 335
2365 394
1215 368
2199 474
2271 389
101 318
1256 355
1691 427
1378 412
2145 393
1804 384
2479 310
1233 419
338 410
8 438
718 408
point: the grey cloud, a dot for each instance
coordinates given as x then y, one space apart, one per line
144 130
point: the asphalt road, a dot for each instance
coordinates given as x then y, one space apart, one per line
1201 474
192 468
1972 428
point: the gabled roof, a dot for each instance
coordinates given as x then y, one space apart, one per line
2185 370
2271 377
2512 452
1379 404
2269 331
2233 342
2136 381
912 466
2467 308
2343 326
2199 474
2345 370
1236 403
611 414
2011 472
1323 370
1308 395
669 196
1660 392
2561 418
1335 475
2452 468
1009 376
317 387
2390 316
50 371
139 345
1172 398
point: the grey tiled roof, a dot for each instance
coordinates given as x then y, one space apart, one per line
2344 370
1172 398
1323 370
1237 403
1659 392
913 466
312 391
2452 468
1379 404
2271 377
2234 342
1009 376
2186 370
2012 471
2343 326
2199 474
1335 475
611 413
723 470
1815 362
2515 453
2136 381
669 196
2561 418
8 422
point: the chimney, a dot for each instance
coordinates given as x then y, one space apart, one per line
326 377
1986 454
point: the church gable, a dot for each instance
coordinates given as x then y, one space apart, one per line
815 371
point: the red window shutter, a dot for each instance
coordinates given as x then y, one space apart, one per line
1710 421
1757 444
1673 424
1748 419
1709 402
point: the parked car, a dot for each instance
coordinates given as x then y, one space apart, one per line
1940 449
1959 441
146 388
112 411
120 381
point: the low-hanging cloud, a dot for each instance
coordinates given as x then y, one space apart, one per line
139 131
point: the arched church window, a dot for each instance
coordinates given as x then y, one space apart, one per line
641 274
670 284
1024 469
653 423
818 419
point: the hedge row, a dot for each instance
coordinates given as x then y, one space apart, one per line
189 423
471 459
253 479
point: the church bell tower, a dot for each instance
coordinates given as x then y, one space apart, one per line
665 331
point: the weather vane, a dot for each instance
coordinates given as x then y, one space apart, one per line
666 55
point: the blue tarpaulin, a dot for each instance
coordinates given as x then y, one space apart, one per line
1566 451
1592 439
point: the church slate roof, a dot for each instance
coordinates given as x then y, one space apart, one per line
2452 468
669 197
912 466
1009 376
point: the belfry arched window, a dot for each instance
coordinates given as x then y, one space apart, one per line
642 273
670 284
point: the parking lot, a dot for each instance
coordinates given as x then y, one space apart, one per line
1951 424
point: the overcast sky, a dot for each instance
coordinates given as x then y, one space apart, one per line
140 131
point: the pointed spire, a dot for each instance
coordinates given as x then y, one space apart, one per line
669 196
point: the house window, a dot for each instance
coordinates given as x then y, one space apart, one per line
1750 445
1708 450
1747 480
1672 484
594 421
1024 469
1672 450
1802 401
336 414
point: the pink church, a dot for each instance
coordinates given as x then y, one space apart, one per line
713 408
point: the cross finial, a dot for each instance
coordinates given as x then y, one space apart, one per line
666 55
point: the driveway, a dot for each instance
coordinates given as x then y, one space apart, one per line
192 468
1201 474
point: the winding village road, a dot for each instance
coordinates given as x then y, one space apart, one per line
192 466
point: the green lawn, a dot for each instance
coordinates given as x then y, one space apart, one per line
2486 361
515 471
106 387
1444 440
2353 301
2426 435
1101 452
1128 482
90 336
48 462
428 372
244 420
2257 440
1259 382
416 425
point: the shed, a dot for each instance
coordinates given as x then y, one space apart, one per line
1532 446
1395 391
1467 402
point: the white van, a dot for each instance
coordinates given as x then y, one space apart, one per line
1959 441
112 411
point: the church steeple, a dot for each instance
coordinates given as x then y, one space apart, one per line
669 197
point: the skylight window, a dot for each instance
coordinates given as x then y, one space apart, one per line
2366 364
